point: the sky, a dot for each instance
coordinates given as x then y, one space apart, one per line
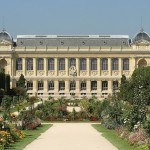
74 17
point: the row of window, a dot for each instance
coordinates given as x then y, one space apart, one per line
83 85
72 62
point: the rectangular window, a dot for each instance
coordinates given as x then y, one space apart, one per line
50 64
19 64
83 85
61 85
93 85
125 64
72 85
115 64
115 85
51 85
104 85
61 64
82 64
104 64
29 85
40 64
29 64
93 64
72 62
40 85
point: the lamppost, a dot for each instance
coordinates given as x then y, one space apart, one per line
73 73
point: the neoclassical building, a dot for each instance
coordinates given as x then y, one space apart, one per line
62 65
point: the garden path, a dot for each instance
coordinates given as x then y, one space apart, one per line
71 136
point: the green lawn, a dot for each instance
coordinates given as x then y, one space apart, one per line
111 136
31 135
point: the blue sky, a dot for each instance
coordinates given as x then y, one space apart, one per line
70 17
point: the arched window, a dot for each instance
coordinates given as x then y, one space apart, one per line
51 85
61 64
40 85
82 64
93 64
29 85
19 64
104 85
29 64
142 63
125 64
104 62
40 64
115 64
72 62
51 64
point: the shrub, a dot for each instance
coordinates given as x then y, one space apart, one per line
143 147
137 137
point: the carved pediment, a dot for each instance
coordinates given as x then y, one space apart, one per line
142 43
5 42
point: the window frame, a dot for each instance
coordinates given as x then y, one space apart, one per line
104 63
83 64
94 64
19 64
29 63
40 64
51 64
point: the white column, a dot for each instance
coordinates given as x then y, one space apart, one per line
88 88
120 66
99 87
98 66
35 88
67 87
77 66
45 66
132 64
34 66
109 86
56 66
88 66
56 86
24 66
77 88
67 66
45 86
109 66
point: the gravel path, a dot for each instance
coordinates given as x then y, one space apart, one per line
71 136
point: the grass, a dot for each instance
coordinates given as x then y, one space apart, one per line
112 136
31 135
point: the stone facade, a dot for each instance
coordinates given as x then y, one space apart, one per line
72 65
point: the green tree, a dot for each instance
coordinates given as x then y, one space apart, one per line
7 83
125 92
21 81
6 104
2 80
141 80
20 89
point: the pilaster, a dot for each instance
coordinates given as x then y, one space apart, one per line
98 66
77 66
34 66
67 66
45 66
109 66
56 66
88 66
